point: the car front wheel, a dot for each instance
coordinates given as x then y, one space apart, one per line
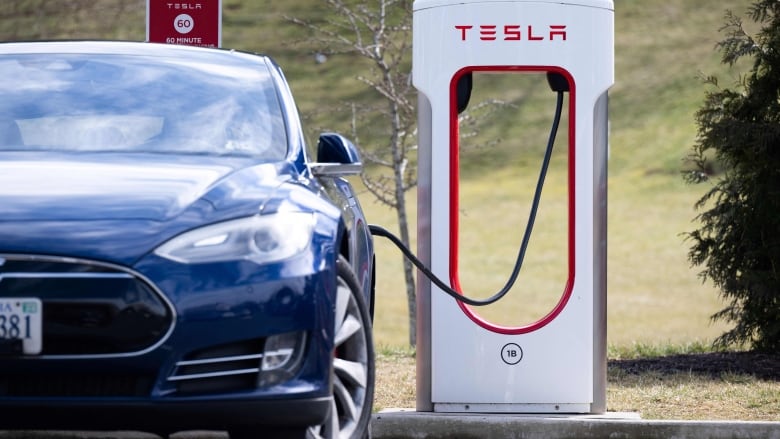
353 362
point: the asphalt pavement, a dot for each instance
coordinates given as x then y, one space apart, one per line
410 424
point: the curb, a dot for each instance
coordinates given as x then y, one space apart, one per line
410 424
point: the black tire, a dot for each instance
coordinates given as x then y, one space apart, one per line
353 363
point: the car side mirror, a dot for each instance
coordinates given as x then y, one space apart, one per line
336 156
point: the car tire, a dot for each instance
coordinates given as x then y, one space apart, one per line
353 363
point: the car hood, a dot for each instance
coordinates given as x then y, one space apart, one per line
75 203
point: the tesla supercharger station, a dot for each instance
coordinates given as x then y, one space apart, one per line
556 364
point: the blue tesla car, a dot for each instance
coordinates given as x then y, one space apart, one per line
170 257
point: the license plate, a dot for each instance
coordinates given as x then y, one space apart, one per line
20 321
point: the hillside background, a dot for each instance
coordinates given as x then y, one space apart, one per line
662 49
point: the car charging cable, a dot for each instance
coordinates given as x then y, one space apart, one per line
560 85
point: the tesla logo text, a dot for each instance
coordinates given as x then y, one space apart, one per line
511 32
184 6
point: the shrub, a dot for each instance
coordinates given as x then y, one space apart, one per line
738 241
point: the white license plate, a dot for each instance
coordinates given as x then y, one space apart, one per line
20 319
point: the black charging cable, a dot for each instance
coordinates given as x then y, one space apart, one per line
381 231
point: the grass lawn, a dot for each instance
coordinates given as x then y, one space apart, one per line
652 392
653 296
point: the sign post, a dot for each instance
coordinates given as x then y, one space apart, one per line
192 23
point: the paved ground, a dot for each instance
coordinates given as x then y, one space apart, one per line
409 424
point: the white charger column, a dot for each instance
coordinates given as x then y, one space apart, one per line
556 364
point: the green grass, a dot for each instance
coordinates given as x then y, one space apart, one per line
654 296
648 350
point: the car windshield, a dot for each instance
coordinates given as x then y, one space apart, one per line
131 103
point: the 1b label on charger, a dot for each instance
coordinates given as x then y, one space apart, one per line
511 353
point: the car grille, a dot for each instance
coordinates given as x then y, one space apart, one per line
89 308
68 385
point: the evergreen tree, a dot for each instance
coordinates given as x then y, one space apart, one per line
738 242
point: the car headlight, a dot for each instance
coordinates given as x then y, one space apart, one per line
260 239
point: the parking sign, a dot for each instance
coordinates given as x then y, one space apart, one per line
192 23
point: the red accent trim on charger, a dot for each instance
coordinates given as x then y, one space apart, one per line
455 194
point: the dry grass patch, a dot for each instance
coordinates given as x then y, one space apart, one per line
699 386
689 396
395 380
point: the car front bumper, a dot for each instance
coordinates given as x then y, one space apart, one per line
164 417
225 324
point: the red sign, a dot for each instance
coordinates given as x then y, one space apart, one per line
192 23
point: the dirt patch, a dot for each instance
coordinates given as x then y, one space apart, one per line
713 364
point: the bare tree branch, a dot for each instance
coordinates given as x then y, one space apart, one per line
379 31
